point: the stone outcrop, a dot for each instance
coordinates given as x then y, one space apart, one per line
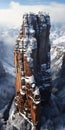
32 62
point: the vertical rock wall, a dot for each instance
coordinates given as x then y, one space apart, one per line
32 62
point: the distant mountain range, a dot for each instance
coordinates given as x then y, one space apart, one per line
7 40
57 38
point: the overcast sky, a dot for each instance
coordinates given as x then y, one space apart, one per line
11 12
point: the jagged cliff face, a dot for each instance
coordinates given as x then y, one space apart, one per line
32 62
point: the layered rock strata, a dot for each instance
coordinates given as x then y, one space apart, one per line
32 62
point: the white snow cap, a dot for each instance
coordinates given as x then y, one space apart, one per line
43 66
41 16
22 78
29 79
23 87
21 92
18 39
33 85
31 30
26 39
36 92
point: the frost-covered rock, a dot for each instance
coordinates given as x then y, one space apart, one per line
18 123
2 70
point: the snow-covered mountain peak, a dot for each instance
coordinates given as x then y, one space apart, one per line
57 37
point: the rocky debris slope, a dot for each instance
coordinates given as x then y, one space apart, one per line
18 123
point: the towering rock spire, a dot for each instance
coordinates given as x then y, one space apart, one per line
32 62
